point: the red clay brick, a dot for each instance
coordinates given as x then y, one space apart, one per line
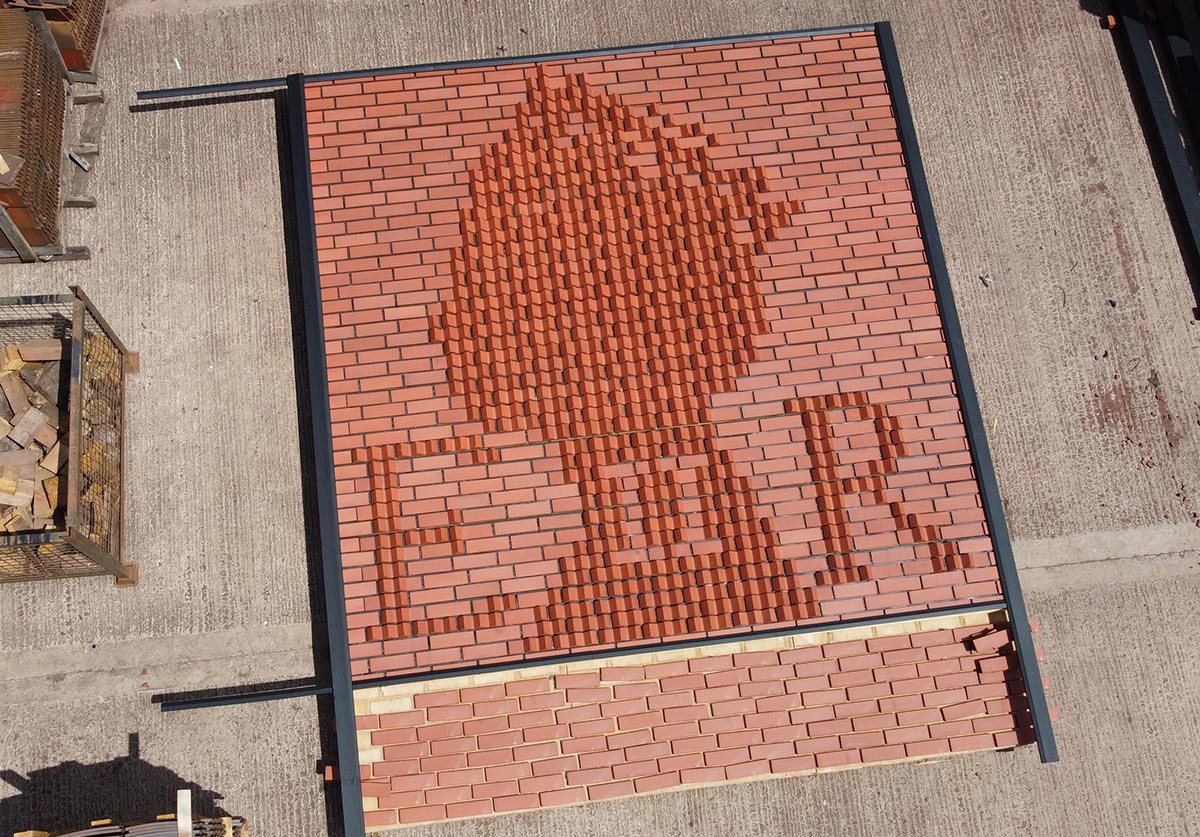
517 802
972 742
481 524
928 747
566 796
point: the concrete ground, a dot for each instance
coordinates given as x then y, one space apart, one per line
1077 314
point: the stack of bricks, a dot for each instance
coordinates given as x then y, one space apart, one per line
580 732
631 349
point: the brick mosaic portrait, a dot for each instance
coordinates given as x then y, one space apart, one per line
633 348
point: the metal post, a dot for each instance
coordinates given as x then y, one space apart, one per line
322 456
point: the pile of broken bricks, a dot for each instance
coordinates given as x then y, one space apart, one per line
33 429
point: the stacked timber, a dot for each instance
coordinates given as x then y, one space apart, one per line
33 435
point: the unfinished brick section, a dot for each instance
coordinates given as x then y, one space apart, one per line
570 735
633 347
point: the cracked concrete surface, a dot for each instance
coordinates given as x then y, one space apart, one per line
1077 316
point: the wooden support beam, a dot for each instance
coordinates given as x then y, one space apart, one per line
48 254
87 97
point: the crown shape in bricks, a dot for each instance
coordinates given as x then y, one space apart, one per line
611 369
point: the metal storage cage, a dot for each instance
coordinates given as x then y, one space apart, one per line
86 538
31 128
76 27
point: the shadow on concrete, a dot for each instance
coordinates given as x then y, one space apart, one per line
316 581
1107 13
71 795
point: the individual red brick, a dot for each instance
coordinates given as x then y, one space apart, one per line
380 819
566 796
610 790
991 642
794 764
702 775
475 808
838 758
747 770
518 802
972 742
812 746
659 781
886 753
958 711
928 747
425 813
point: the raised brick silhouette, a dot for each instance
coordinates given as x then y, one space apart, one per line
604 291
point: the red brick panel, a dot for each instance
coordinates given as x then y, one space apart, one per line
633 347
552 739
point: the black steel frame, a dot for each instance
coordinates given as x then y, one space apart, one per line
1162 51
233 697
343 685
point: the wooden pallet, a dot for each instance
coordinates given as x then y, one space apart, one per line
85 119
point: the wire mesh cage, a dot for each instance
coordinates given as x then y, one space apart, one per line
83 536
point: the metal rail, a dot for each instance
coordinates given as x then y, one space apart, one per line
231 697
322 458
255 694
268 83
699 642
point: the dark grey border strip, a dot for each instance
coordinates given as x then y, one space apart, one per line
230 87
322 460
699 642
981 456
